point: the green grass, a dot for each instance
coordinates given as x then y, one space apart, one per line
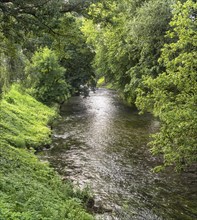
101 82
24 120
29 188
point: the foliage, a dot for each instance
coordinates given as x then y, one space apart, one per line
74 54
172 96
105 35
20 22
12 65
101 81
23 120
127 37
47 77
30 190
19 17
28 25
146 34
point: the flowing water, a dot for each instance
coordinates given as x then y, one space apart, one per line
101 143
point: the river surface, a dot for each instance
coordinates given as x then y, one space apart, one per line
101 143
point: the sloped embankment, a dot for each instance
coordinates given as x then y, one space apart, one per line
24 120
29 188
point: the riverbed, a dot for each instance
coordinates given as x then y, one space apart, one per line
102 144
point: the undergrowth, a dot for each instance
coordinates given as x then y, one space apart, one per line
24 120
29 188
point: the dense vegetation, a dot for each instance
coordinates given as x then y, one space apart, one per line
29 189
24 120
50 49
40 48
172 96
147 50
27 27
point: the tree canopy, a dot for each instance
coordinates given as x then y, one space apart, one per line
127 39
27 26
145 49
172 96
46 77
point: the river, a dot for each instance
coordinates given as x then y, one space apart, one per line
101 143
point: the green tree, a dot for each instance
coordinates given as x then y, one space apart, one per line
46 77
107 37
73 52
172 96
146 33
127 38
20 22
28 25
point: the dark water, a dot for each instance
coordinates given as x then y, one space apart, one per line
101 143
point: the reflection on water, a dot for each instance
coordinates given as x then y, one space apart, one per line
101 143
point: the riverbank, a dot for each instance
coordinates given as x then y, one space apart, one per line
29 188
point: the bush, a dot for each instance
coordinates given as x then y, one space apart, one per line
46 77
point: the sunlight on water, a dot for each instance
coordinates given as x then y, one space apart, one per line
101 143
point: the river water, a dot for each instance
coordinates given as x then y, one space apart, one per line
101 143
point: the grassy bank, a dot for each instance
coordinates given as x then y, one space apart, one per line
29 188
127 100
24 120
101 83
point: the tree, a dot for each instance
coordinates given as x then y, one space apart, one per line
129 36
21 21
74 54
46 77
146 32
107 37
172 96
28 25
20 17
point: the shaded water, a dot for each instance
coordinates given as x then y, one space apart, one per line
101 143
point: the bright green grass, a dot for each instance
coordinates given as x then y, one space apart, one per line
30 189
101 82
23 120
